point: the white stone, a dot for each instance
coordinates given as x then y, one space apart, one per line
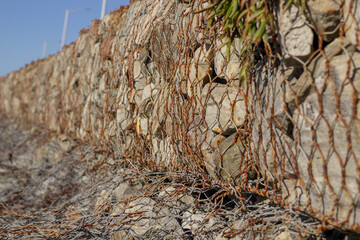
224 108
352 21
224 68
149 91
295 35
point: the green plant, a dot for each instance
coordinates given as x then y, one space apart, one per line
249 20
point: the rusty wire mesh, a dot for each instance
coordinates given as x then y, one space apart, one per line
291 134
284 147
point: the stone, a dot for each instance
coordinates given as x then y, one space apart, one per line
189 24
202 38
139 77
194 221
142 126
352 21
149 91
224 68
326 16
121 235
153 219
159 113
197 134
65 143
270 103
154 73
145 206
200 70
301 87
334 127
124 191
162 45
188 200
110 131
166 192
163 151
287 235
220 237
123 118
229 159
296 35
210 164
224 108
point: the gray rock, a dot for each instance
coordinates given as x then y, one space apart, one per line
123 117
286 235
163 151
352 21
224 108
229 159
149 91
65 143
224 68
194 221
199 75
152 219
145 206
198 72
295 35
336 129
299 90
124 191
326 16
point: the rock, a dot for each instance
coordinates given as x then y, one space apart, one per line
204 54
200 70
210 164
326 16
337 131
140 80
296 35
152 220
285 236
121 235
159 113
123 118
65 143
197 135
154 73
110 131
142 126
301 87
145 206
149 91
188 200
124 191
352 21
202 38
224 108
208 148
229 159
163 151
228 70
198 74
166 192
194 221
220 237
162 45
189 23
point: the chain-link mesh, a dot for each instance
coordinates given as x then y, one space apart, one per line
163 92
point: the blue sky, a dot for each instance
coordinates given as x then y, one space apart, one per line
26 24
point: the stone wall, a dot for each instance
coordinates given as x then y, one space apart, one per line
153 84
